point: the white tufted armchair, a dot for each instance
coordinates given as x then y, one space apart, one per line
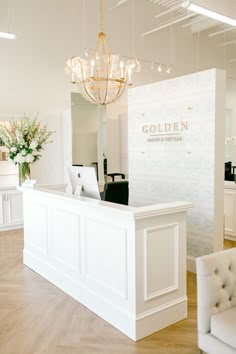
216 295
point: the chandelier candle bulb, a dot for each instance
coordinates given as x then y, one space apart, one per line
73 78
129 76
92 64
122 74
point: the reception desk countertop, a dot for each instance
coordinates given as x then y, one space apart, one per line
230 185
5 188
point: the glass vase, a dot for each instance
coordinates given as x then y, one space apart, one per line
24 172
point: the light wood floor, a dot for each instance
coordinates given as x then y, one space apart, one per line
229 244
38 318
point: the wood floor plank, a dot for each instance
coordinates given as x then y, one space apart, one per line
38 318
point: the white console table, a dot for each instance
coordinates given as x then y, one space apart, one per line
128 265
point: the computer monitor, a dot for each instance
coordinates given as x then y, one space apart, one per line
84 182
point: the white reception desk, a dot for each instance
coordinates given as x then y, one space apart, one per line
128 265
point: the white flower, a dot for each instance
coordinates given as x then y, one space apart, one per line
29 158
19 158
33 144
24 152
13 149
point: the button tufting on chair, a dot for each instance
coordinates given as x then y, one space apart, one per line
217 307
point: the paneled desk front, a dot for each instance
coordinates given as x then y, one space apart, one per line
128 265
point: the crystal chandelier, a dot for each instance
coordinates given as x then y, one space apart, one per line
102 77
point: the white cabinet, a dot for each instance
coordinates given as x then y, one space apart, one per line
11 210
230 210
1 209
14 206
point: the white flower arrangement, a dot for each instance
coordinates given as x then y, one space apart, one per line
24 138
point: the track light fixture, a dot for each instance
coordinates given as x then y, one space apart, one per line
208 13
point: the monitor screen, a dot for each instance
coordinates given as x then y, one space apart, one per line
84 182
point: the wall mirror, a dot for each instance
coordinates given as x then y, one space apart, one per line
89 133
230 146
228 135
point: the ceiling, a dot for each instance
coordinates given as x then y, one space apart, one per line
49 32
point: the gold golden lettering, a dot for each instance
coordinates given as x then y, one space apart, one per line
152 128
176 126
167 127
145 129
184 125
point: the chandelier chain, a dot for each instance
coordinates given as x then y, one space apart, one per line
9 15
198 51
101 16
84 24
133 28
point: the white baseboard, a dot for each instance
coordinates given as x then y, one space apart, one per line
161 317
191 264
12 227
231 238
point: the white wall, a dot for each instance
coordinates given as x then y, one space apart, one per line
181 164
49 169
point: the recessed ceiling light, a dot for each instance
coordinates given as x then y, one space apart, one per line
7 35
208 13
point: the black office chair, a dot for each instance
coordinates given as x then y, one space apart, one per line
113 175
229 176
116 192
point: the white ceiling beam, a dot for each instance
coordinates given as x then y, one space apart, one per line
167 11
120 3
227 43
198 19
168 24
222 31
169 3
159 2
232 60
165 2
204 25
174 2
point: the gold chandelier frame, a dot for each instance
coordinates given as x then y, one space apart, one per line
103 78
